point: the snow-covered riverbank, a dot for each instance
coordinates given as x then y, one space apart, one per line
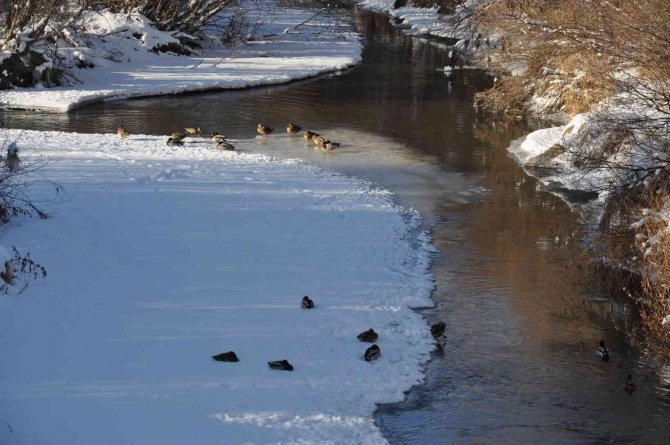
160 257
455 26
125 66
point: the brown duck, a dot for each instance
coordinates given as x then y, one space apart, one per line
122 132
292 129
264 129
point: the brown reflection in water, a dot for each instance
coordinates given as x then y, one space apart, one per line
535 241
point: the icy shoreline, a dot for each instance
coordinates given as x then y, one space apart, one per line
160 257
125 67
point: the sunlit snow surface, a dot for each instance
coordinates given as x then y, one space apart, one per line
160 257
125 67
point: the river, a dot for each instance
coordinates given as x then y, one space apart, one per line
518 364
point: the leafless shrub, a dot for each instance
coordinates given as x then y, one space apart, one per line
576 51
175 15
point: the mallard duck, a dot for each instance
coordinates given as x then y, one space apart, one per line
293 128
309 135
602 352
307 303
369 336
437 330
172 142
177 135
330 146
629 385
123 134
226 357
190 131
264 129
281 365
223 145
216 137
318 140
372 353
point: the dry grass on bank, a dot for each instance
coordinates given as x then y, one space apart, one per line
571 53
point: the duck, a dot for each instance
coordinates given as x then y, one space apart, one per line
216 137
190 131
319 140
369 336
229 356
330 146
281 365
603 352
629 385
437 330
223 145
122 132
307 303
309 135
372 353
177 135
172 142
292 129
264 129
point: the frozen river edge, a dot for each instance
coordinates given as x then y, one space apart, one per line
160 257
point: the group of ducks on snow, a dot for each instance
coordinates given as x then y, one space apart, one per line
177 137
369 336
604 354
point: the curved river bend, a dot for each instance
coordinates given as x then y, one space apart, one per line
518 364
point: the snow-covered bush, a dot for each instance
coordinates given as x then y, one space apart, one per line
17 270
174 15
45 41
16 175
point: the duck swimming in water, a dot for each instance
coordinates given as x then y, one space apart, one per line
307 303
629 386
281 365
369 336
372 353
264 129
226 357
292 129
437 330
190 131
603 352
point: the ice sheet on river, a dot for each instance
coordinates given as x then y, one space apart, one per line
160 257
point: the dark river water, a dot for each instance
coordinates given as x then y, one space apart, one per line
518 365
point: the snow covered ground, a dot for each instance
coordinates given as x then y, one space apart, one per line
160 257
126 67
428 22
